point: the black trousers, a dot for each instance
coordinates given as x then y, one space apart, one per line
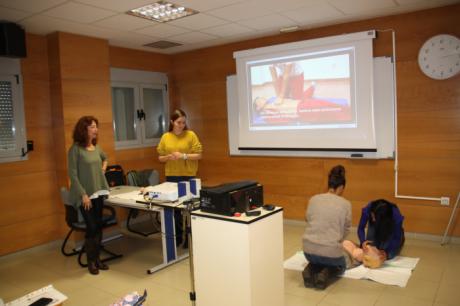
93 235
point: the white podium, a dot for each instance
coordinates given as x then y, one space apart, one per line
238 260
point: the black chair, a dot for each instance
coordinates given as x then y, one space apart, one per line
76 223
142 178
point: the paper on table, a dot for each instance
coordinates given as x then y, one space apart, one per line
132 195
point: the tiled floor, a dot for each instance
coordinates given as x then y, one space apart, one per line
434 281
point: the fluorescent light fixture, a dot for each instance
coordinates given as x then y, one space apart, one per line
162 11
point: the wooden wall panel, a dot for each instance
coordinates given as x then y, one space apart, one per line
82 87
29 233
83 58
55 88
28 194
35 195
428 126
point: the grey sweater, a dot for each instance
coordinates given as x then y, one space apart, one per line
85 172
328 219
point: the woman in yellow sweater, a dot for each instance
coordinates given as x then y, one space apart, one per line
180 150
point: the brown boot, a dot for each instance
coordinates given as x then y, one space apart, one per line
92 268
101 265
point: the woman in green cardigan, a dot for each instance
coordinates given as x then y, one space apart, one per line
88 186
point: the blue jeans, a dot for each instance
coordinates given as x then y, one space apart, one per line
333 262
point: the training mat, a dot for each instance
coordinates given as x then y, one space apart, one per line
396 271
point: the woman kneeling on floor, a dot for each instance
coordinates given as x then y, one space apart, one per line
328 219
384 237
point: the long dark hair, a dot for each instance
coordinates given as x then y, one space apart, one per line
80 132
336 177
176 115
384 223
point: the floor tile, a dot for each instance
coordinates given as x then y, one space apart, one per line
433 282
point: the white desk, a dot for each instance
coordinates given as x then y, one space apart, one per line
238 260
128 196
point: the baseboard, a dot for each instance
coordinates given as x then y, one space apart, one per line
411 235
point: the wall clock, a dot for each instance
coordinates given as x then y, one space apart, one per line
439 57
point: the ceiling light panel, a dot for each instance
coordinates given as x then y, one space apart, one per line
162 11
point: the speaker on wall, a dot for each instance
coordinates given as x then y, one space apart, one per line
12 40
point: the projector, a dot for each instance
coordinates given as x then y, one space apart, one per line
230 198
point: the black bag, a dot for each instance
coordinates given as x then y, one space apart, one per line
114 175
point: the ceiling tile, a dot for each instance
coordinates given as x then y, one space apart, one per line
240 11
31 6
285 5
226 30
204 44
311 14
353 7
125 22
269 22
130 45
44 25
419 4
12 14
78 12
133 38
403 6
162 30
405 2
117 5
192 37
219 21
198 21
205 5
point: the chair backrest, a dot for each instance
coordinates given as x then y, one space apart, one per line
115 175
153 177
133 179
142 178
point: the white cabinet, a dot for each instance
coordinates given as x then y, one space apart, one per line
238 260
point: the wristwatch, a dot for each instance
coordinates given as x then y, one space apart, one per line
184 156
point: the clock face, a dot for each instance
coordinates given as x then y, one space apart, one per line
439 57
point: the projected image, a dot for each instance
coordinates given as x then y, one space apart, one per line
312 92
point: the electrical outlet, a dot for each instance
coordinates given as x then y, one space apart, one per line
445 201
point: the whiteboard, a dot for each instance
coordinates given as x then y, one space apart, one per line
384 119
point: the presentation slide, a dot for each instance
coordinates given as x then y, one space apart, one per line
307 92
308 95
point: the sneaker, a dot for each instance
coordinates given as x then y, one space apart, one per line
308 277
322 278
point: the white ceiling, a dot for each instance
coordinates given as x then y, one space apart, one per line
219 21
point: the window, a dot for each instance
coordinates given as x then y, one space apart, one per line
139 105
12 127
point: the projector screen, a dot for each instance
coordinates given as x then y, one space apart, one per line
309 95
